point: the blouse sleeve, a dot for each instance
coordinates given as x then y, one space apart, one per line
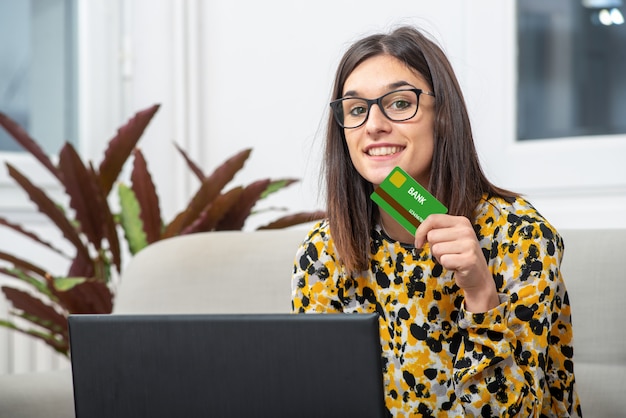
517 358
313 283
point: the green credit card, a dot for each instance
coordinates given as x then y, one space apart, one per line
406 200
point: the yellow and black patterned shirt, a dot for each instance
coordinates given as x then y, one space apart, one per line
438 359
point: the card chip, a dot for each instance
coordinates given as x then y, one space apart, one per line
397 179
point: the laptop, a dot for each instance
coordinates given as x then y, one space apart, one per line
232 365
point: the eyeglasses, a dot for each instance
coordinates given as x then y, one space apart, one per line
397 105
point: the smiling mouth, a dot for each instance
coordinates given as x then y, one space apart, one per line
383 151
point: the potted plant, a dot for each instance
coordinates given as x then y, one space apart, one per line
96 232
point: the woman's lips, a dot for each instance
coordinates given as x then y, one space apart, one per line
383 151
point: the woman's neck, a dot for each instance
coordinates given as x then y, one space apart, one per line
394 230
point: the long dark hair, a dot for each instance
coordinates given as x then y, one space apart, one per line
456 178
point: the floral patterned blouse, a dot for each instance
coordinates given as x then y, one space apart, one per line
438 359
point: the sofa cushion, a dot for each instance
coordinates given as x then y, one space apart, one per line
213 272
596 282
37 394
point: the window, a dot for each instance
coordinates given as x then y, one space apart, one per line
38 70
571 67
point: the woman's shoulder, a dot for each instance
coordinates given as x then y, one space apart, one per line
317 248
319 232
516 206
320 228
513 216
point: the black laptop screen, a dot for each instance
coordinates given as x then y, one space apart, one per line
264 365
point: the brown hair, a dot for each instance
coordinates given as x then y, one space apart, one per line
456 177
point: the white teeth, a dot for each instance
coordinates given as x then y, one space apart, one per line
380 151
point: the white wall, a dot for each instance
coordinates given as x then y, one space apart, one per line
255 74
278 59
207 61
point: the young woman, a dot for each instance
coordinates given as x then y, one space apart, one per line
474 314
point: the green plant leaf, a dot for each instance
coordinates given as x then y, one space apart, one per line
41 284
130 219
209 189
147 198
58 343
277 185
63 284
121 146
43 323
22 138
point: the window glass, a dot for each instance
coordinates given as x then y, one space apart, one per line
571 66
37 70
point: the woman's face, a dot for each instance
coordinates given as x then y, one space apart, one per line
380 144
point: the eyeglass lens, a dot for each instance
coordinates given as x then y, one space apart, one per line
399 105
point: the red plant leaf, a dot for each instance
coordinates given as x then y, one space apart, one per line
215 212
295 219
236 217
81 189
82 267
121 146
30 235
42 315
26 302
191 164
22 138
109 226
24 265
209 189
46 206
91 208
147 197
92 296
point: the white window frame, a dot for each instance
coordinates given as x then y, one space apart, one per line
100 61
581 179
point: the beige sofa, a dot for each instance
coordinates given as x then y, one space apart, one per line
250 272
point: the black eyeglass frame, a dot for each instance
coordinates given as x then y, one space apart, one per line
337 108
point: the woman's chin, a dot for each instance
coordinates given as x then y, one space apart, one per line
377 176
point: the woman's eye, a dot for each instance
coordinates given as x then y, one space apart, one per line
400 104
358 110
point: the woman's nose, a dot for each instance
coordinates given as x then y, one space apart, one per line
376 120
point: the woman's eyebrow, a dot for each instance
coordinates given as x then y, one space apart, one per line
390 87
398 84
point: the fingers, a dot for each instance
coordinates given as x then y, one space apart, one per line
421 234
461 262
439 228
452 241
